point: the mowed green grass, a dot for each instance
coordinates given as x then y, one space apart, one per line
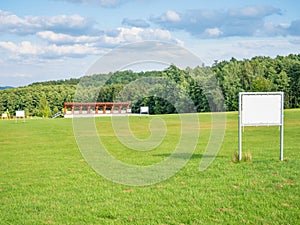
45 180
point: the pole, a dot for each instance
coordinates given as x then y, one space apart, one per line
281 142
281 127
240 127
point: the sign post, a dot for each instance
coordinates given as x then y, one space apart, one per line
261 109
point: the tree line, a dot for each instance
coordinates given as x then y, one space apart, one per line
172 90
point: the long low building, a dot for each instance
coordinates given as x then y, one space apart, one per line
85 109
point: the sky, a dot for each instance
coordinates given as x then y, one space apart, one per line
44 40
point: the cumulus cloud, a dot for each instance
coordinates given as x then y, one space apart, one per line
213 32
135 23
111 38
244 21
59 45
171 16
102 3
73 24
137 34
66 38
26 48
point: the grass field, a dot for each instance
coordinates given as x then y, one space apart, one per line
44 179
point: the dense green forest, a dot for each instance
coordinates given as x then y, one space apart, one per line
168 91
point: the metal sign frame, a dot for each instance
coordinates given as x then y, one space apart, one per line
261 109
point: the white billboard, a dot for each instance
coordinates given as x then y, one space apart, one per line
144 109
20 113
259 109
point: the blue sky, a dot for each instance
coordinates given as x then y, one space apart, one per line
58 39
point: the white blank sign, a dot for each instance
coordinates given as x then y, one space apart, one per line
144 109
261 109
20 113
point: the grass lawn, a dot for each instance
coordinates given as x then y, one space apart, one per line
45 180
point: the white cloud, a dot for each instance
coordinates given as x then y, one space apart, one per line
59 45
71 50
102 3
66 38
135 34
73 24
171 16
7 19
111 38
26 48
245 21
61 36
124 35
213 32
72 21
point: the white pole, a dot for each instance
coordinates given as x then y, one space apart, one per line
281 142
240 128
281 127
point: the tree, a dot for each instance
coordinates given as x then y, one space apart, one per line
44 109
247 75
261 84
232 85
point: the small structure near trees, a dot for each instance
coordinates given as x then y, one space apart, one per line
79 109
4 116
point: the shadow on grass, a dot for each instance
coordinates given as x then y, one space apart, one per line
187 156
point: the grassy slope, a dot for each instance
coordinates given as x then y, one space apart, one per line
44 180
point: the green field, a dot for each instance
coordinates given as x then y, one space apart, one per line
45 180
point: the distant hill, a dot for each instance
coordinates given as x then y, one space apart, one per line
72 81
5 87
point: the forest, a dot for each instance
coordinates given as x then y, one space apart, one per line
172 90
